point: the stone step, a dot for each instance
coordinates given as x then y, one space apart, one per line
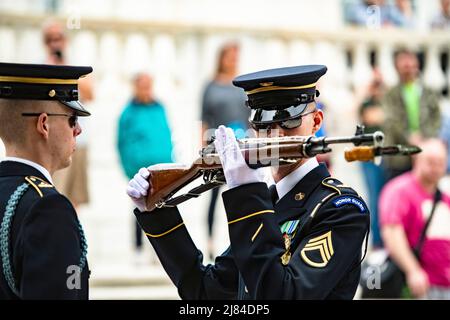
128 276
161 292
130 282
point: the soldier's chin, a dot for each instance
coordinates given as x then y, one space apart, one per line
279 165
286 166
289 164
67 163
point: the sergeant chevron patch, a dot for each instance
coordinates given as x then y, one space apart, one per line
343 200
318 251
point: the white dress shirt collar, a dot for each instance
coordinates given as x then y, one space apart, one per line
287 183
38 167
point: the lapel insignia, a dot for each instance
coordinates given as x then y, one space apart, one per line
45 185
299 196
319 249
42 183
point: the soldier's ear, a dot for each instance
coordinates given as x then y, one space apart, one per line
42 125
318 120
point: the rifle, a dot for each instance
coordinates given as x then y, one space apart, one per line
168 179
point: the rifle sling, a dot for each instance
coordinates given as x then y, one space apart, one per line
194 193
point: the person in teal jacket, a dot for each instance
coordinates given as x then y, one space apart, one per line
144 136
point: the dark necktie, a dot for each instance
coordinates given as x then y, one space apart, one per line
273 193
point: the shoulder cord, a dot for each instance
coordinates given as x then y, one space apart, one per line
4 235
5 239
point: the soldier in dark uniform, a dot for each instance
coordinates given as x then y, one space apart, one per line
301 238
42 244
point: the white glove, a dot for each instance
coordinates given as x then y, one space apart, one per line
235 169
138 188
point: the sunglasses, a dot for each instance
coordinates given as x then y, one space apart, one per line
284 124
73 118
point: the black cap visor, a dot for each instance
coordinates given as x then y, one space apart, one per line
77 107
270 116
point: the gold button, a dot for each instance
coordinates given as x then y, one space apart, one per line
299 196
331 181
52 93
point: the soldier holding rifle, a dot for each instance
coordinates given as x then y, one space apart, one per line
301 238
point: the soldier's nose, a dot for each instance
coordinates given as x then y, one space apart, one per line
77 130
276 131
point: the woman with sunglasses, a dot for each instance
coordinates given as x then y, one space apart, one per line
300 238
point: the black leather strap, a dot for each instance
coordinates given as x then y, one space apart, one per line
419 246
197 191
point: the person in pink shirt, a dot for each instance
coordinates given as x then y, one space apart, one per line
405 204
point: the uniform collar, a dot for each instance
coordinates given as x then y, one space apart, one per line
12 166
299 194
287 183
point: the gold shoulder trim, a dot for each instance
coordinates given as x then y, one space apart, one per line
32 182
328 182
313 213
42 182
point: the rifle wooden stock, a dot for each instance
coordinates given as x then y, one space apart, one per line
167 179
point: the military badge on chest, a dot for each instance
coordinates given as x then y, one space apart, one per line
288 229
316 253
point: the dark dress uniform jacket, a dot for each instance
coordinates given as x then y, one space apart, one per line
325 248
44 238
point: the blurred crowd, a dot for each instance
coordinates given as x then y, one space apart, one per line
402 190
397 13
